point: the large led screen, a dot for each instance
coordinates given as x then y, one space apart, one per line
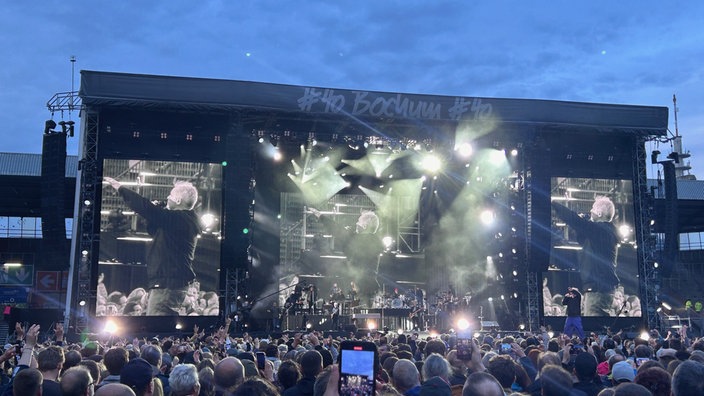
593 248
159 238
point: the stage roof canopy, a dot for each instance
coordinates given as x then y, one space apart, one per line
107 89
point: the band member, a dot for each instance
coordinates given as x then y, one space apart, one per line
336 293
312 297
352 295
335 315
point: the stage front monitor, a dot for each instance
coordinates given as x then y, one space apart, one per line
160 238
592 248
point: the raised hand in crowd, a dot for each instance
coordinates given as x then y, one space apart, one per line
19 331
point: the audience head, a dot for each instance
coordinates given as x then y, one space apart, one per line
184 380
585 366
482 384
503 369
655 379
436 366
405 375
256 386
687 379
115 359
114 389
288 374
311 363
137 374
50 358
27 382
76 381
229 373
555 381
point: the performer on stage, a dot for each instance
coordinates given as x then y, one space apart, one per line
573 323
361 246
597 259
336 293
174 228
335 315
353 293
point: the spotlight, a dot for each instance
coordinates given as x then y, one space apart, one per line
644 335
491 299
87 202
666 306
388 242
208 220
551 334
464 150
110 327
179 326
49 126
463 324
82 303
372 325
431 163
521 327
399 331
487 217
625 231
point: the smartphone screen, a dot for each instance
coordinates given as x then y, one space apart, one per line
506 348
464 349
261 360
357 368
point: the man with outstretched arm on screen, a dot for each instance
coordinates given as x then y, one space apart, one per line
174 229
597 259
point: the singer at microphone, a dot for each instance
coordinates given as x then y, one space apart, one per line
573 323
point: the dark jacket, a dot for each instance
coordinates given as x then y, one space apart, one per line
435 386
304 387
170 257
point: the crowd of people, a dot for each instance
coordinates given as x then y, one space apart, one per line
489 364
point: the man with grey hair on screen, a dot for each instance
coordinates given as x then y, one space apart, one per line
597 259
174 229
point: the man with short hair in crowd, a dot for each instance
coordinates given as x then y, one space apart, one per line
50 361
436 374
503 369
152 354
311 366
115 389
114 360
183 381
228 375
556 381
27 382
585 371
482 384
688 379
77 381
138 375
406 378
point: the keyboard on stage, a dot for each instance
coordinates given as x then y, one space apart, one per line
366 316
